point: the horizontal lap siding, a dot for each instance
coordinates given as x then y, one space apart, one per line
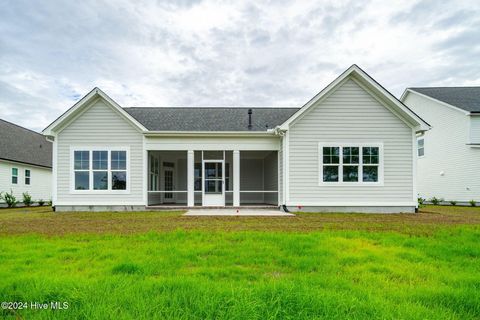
100 126
475 129
446 151
350 114
40 187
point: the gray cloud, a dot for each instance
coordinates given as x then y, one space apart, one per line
160 53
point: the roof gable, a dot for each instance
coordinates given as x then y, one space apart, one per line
82 105
372 87
19 144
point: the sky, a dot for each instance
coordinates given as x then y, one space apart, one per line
224 53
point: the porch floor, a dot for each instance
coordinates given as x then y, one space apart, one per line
237 212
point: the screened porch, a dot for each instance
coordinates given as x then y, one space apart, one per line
212 178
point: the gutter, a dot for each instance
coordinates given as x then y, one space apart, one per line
269 132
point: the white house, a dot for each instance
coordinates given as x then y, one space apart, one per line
25 163
352 147
449 154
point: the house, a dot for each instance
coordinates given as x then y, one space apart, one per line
352 147
448 154
25 163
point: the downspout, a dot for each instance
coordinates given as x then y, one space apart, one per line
281 133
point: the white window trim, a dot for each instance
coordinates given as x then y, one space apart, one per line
418 139
29 177
90 170
12 175
380 181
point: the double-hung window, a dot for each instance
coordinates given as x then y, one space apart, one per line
27 177
421 147
351 164
14 175
99 169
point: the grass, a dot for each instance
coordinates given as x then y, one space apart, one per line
164 265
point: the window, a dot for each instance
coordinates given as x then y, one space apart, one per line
27 177
119 170
350 164
82 170
421 147
331 163
99 170
14 175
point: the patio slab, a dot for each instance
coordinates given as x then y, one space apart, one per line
237 212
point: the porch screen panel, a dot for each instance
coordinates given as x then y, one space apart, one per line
258 178
169 184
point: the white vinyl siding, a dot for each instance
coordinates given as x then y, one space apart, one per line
475 129
450 167
350 114
40 186
100 126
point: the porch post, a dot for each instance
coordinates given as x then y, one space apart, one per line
190 178
236 178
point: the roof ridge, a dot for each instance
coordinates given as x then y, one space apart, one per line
217 107
19 126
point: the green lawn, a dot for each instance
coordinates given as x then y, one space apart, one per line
164 265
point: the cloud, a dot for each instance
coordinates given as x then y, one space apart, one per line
163 53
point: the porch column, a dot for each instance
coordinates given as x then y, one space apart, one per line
236 178
190 178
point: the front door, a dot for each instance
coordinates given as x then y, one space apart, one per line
213 183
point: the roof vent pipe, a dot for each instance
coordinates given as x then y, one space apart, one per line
249 119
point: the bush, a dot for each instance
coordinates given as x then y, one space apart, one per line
9 199
420 200
50 202
41 202
27 199
453 203
435 201
472 203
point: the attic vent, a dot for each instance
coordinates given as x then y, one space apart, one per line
249 119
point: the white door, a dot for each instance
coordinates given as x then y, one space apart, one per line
168 184
213 183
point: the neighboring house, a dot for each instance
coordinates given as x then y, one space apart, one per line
352 147
449 154
25 163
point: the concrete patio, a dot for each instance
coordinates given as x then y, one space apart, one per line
237 212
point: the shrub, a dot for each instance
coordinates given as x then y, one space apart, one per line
50 202
472 203
453 203
435 200
27 199
9 199
420 200
41 202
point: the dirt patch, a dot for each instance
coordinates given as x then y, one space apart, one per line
44 221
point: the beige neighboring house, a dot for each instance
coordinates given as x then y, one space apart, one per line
448 154
25 163
351 148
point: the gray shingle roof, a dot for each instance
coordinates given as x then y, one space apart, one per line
209 118
466 98
23 145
